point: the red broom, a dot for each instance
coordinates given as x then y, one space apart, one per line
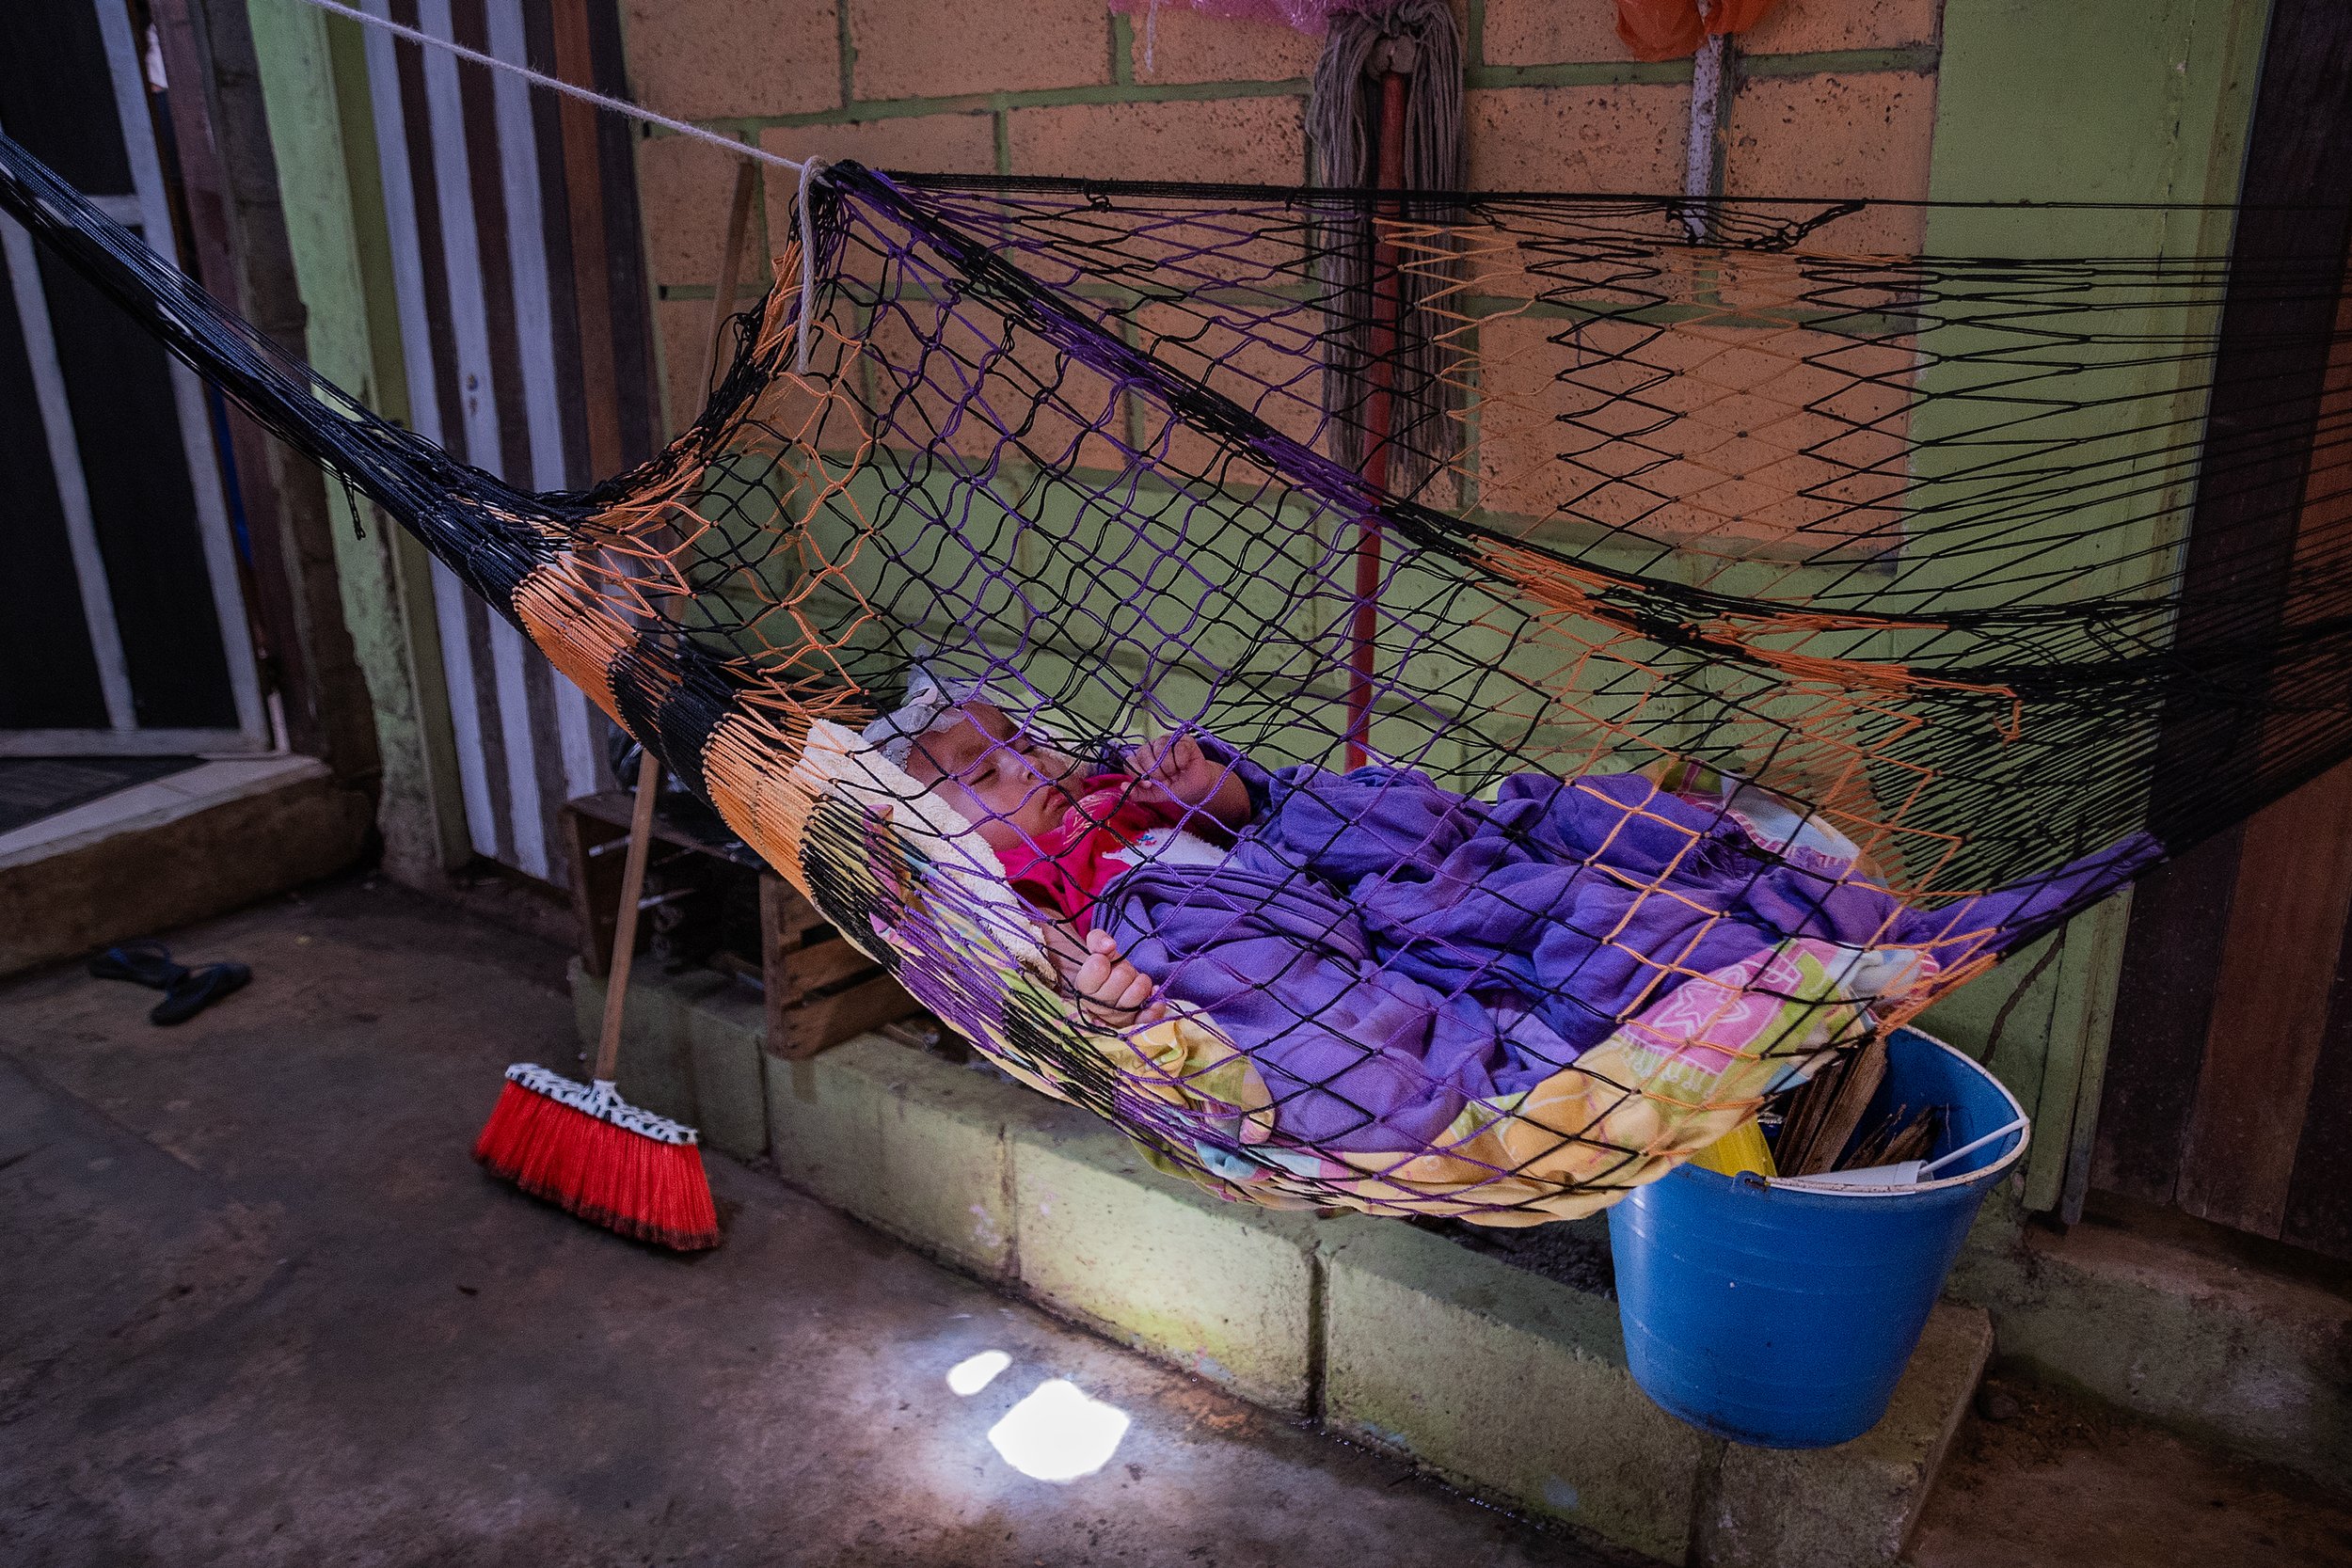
581 1146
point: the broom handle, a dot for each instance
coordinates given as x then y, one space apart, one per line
1380 417
624 925
648 769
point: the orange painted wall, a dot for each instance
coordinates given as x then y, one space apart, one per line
1835 98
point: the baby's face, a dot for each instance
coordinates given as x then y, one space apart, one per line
1007 786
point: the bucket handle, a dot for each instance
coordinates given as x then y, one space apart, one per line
1970 1147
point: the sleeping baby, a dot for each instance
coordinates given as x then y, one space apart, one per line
1064 833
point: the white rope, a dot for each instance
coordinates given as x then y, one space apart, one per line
556 84
807 326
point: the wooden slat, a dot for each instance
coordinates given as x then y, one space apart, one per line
2319 1198
612 806
790 969
2270 1006
2286 929
2195 1036
2163 1012
222 262
811 1027
799 1025
785 918
432 252
591 290
596 877
492 735
636 397
493 248
808 970
556 243
2270 371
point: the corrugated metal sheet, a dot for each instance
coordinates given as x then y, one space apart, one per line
480 228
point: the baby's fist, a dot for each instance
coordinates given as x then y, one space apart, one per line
1112 991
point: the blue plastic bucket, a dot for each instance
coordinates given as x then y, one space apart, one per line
1780 1316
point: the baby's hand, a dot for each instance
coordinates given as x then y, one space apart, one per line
1177 767
1110 991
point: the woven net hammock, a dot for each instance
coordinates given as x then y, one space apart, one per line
1519 684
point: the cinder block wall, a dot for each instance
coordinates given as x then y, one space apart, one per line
1834 99
1978 100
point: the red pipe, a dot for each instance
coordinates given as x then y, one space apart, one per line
1379 414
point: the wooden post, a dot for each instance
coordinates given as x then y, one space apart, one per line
596 868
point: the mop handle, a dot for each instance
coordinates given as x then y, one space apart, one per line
1942 1160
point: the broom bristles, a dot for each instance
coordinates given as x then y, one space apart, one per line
645 1187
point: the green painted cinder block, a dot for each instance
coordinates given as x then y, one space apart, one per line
1504 1380
1517 1386
946 1135
822 1131
942 1179
2250 1360
1508 1383
910 1143
723 1032
655 1069
689 1049
1223 1289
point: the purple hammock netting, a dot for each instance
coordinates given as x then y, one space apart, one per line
1776 633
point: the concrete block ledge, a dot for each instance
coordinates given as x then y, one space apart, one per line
2180 1333
173 851
1225 1290
1502 1382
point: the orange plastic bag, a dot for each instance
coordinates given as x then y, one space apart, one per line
1668 29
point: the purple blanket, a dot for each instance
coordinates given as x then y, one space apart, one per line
1383 948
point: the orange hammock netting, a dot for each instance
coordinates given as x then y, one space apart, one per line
1755 639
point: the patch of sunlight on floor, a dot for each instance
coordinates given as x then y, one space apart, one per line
1059 1433
975 1372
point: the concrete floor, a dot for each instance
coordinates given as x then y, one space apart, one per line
258 1306
2069 1483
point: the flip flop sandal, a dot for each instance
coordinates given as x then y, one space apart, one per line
145 962
197 990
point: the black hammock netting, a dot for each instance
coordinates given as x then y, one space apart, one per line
1771 638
